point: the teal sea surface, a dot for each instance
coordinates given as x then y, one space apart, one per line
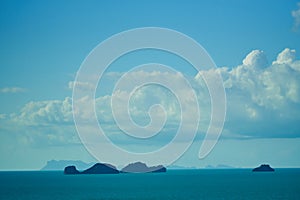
174 184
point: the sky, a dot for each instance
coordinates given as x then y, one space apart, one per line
254 44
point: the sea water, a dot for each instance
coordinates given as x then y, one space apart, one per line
174 184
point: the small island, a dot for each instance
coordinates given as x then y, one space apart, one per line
71 170
98 168
263 168
104 168
139 167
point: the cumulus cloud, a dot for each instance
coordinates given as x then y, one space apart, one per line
47 119
256 58
262 101
39 113
41 123
272 87
287 56
296 16
141 102
12 90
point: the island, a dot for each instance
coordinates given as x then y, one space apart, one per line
98 168
139 167
263 168
71 170
105 168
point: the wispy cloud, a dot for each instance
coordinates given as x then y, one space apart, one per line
80 85
296 16
2 116
12 90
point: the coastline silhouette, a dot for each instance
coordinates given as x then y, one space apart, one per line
105 168
263 168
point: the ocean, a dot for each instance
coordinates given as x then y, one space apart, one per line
174 184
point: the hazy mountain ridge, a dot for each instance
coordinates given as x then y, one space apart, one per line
53 165
219 166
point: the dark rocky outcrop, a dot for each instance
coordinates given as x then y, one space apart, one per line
103 168
71 170
100 168
263 168
140 167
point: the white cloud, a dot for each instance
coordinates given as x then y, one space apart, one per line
41 123
12 90
272 87
2 116
41 113
145 97
80 85
296 16
262 101
256 58
287 56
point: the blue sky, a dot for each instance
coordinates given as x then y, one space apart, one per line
43 44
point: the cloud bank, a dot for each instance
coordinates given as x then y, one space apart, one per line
263 101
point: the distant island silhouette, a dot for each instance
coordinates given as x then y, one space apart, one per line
98 168
105 168
71 170
139 167
219 166
263 168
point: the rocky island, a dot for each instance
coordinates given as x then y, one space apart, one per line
71 170
139 167
263 168
98 168
104 168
